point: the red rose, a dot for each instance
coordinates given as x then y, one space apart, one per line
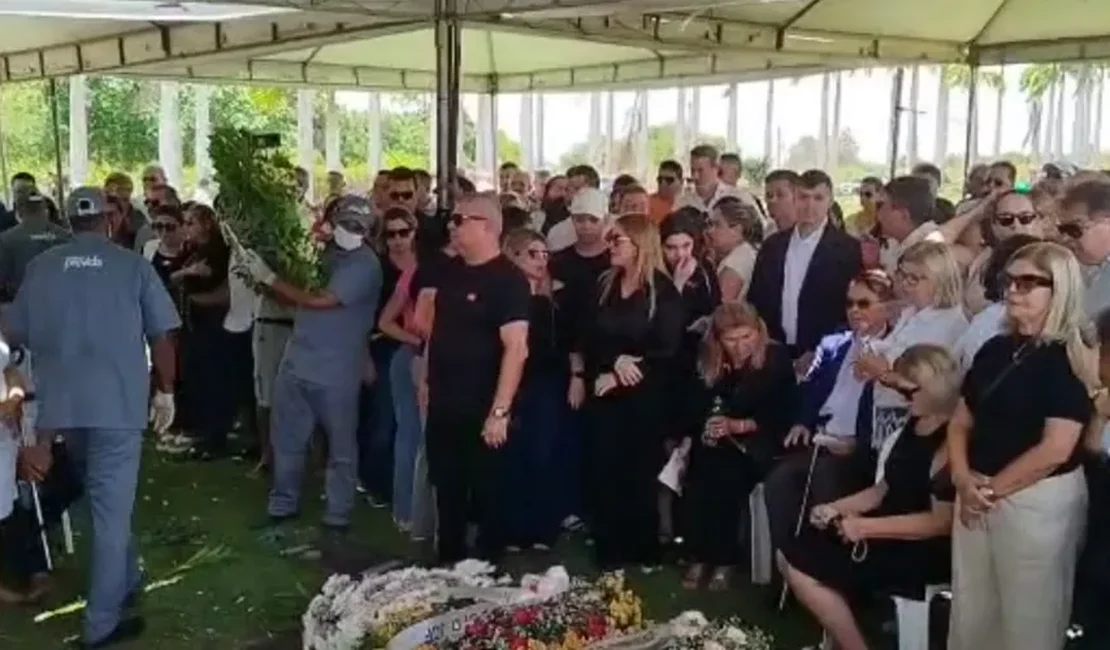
596 627
524 617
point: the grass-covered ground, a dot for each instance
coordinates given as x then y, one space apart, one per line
229 586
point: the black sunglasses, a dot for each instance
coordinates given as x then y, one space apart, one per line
866 303
1025 282
402 196
1006 219
1071 230
400 233
163 227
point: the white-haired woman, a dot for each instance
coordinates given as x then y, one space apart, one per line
893 536
929 282
1013 445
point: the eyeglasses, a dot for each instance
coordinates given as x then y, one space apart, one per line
615 239
666 180
910 279
159 226
402 196
536 253
1025 282
458 220
399 233
1006 219
1071 229
866 303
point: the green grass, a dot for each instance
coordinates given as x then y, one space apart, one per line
235 589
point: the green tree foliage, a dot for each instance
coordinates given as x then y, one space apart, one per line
660 146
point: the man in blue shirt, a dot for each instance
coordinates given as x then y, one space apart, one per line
320 375
84 311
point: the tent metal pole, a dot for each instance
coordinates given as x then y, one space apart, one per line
448 43
972 132
59 183
895 119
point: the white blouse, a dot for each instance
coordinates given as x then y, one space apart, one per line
939 326
741 261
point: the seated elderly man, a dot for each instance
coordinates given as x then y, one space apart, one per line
830 404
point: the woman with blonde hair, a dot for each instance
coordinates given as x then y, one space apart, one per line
749 401
1013 443
929 282
892 537
630 336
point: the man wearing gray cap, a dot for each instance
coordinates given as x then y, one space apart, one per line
83 311
19 245
319 378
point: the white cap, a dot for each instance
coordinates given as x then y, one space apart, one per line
590 201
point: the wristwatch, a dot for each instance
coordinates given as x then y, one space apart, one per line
499 412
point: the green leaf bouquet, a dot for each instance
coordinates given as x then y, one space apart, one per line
258 201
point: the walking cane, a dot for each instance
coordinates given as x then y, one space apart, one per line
801 512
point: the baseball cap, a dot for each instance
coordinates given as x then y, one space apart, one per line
85 202
590 201
352 209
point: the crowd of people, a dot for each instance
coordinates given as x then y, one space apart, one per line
917 386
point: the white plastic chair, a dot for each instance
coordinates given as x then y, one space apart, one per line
759 531
913 618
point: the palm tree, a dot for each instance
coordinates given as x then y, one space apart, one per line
940 141
1038 84
996 81
769 125
834 145
959 77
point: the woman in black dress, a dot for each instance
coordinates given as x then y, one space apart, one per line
749 392
683 244
209 410
893 537
629 338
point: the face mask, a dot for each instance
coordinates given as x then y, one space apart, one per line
346 239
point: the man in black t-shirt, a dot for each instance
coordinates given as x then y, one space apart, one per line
476 354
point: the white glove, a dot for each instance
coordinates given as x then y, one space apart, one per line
258 269
161 411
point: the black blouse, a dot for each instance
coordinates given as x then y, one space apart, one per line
767 395
216 255
1013 386
546 355
616 325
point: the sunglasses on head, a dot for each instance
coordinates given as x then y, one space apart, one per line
1007 219
459 219
1025 282
865 303
1071 230
402 196
398 233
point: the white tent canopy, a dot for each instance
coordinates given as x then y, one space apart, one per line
519 45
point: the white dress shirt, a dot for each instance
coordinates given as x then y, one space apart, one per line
934 325
842 404
741 261
691 198
984 326
799 253
888 256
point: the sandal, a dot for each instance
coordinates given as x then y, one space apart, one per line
692 579
721 579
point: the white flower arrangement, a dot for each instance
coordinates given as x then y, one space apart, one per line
693 631
352 611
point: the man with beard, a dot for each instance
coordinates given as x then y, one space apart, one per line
319 379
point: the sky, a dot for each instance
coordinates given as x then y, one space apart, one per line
865 111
